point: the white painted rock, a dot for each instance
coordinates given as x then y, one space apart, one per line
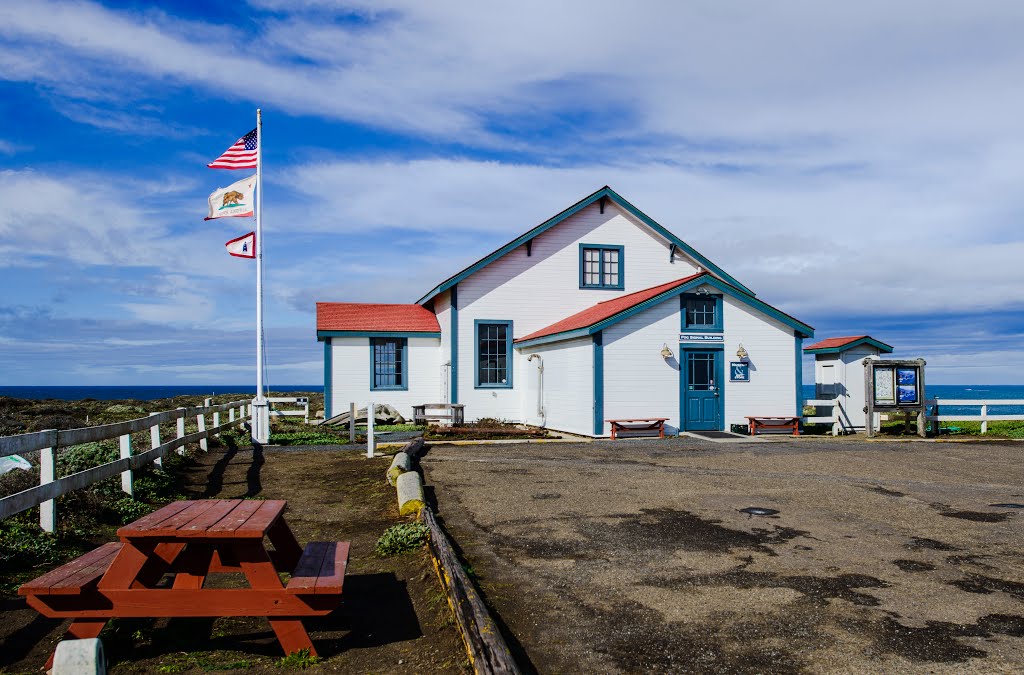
79 657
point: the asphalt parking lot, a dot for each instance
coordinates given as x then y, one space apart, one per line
638 556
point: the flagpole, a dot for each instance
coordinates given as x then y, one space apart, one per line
260 413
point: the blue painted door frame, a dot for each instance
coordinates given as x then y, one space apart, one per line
702 404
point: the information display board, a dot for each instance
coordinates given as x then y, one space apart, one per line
894 386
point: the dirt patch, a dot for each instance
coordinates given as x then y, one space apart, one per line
393 617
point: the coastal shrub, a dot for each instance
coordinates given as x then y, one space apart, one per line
17 481
130 510
121 409
321 437
402 538
81 457
24 544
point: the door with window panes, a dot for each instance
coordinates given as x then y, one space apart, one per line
701 395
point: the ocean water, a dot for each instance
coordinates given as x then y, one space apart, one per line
980 392
143 393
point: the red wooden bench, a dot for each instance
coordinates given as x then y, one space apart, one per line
321 569
638 424
773 423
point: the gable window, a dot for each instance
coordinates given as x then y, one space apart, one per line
702 312
493 354
602 266
388 363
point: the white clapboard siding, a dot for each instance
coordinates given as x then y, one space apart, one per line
537 290
638 382
772 349
350 375
568 386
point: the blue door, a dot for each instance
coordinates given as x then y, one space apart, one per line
701 398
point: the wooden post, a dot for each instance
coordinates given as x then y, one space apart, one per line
181 428
305 409
154 442
371 415
47 474
984 416
352 422
922 425
216 421
869 396
201 424
127 477
231 414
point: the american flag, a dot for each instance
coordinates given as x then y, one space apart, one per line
241 155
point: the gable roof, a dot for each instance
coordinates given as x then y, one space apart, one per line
610 312
357 317
841 344
604 193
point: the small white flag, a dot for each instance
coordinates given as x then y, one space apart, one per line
243 247
236 200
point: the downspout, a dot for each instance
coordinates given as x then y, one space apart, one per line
540 388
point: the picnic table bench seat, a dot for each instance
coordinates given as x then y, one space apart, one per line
321 569
438 412
638 424
765 423
76 577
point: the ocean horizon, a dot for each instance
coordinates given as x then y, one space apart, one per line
142 392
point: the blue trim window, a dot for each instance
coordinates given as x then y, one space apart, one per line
389 363
702 312
493 354
602 266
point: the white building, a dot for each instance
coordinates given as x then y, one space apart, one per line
839 374
597 313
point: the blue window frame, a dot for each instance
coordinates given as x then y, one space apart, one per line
602 266
493 354
701 312
389 364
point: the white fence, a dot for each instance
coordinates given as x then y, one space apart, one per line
840 422
984 405
301 401
836 416
48 442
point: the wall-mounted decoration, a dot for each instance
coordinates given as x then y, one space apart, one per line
739 371
701 337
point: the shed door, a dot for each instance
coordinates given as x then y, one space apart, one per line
701 395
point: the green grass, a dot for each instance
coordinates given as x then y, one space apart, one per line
317 437
997 429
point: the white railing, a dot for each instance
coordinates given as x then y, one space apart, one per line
837 417
984 417
48 442
301 401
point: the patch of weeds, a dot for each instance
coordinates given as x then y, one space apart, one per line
299 660
399 427
130 510
308 438
470 572
402 538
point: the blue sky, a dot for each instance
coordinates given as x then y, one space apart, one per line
859 165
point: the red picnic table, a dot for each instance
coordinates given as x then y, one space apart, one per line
191 540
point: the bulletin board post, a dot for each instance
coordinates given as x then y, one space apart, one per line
894 386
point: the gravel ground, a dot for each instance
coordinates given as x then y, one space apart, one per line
635 556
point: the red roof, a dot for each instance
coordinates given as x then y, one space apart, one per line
356 316
607 309
839 342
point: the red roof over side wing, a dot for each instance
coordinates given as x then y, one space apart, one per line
607 309
837 344
355 316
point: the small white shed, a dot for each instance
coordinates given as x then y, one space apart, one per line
839 374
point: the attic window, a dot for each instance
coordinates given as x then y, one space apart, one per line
602 266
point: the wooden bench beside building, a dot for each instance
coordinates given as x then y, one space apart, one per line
765 423
638 425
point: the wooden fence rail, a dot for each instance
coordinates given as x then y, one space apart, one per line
50 441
